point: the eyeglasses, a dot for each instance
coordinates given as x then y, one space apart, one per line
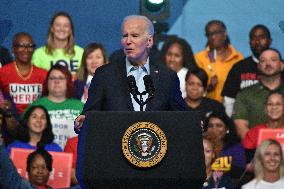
22 46
56 78
217 32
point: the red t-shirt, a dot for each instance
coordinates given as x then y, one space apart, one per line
71 147
23 90
251 138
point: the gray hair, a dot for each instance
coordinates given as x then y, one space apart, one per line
149 24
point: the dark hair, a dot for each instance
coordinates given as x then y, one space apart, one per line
260 26
83 72
272 93
68 76
23 132
7 136
231 137
200 74
42 152
272 49
220 23
18 35
187 53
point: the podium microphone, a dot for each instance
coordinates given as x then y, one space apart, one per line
149 87
132 87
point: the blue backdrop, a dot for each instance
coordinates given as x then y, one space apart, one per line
99 20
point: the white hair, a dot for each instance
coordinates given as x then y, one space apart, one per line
149 24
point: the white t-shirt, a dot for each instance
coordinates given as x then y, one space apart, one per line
181 75
264 185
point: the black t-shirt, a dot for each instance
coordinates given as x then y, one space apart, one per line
243 74
206 107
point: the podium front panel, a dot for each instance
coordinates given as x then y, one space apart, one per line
103 165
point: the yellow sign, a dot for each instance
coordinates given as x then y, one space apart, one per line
222 164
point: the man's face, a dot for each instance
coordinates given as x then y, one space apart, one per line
136 41
270 63
23 49
259 41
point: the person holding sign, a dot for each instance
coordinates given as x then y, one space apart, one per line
221 132
274 108
39 167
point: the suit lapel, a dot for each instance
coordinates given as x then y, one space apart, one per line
122 77
155 75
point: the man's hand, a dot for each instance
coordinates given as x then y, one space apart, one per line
78 123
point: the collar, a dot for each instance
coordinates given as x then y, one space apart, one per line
263 87
255 59
129 66
234 53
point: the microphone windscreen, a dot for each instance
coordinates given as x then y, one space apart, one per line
132 84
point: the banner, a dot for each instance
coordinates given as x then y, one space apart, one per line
276 134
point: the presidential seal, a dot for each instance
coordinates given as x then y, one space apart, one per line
144 144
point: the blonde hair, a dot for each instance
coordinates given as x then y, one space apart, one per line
258 156
69 49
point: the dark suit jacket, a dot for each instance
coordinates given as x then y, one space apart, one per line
109 89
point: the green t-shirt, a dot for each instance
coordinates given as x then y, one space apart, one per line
43 60
62 116
250 104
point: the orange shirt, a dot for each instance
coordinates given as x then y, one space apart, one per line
218 68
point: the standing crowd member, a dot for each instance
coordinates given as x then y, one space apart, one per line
268 167
221 132
35 129
274 108
244 73
214 179
39 167
218 57
94 56
250 102
178 56
196 84
5 56
21 80
61 107
60 47
71 147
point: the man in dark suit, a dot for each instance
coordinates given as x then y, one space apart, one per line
109 88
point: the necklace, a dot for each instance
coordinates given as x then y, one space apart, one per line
21 76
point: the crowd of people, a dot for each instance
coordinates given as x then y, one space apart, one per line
43 90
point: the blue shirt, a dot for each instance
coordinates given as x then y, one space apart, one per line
19 144
138 72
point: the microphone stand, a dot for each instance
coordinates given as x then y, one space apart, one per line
141 102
